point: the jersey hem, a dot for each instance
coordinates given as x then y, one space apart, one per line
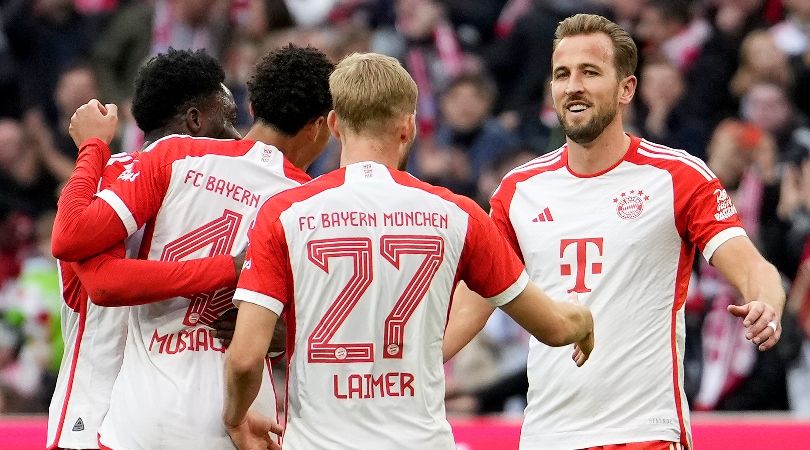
578 439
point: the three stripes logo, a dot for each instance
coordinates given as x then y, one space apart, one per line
544 216
79 425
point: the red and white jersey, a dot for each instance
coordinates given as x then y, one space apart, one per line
363 262
197 198
623 240
94 340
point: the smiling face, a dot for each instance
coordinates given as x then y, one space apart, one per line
585 86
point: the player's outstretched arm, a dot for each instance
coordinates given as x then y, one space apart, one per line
553 323
760 285
82 227
108 278
468 315
244 363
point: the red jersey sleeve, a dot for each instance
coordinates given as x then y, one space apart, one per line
488 264
266 278
137 193
84 227
708 216
499 211
108 277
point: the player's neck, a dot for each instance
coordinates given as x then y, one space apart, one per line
357 148
288 145
600 154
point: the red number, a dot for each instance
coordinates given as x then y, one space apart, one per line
391 248
359 249
220 234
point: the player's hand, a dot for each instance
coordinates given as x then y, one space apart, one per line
254 433
224 326
583 348
94 120
762 323
239 262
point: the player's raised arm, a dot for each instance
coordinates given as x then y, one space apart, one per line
82 227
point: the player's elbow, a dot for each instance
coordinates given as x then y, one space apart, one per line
239 365
64 249
108 296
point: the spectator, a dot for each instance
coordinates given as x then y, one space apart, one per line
661 111
468 138
45 37
792 35
760 60
767 106
668 30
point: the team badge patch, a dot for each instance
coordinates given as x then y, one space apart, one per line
630 205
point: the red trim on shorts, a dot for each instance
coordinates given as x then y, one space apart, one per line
74 361
647 445
100 445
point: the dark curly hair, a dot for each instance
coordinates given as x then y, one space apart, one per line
291 88
170 83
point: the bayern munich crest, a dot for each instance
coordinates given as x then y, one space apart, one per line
630 205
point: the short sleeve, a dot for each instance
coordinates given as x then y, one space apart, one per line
488 263
499 213
137 193
266 277
711 218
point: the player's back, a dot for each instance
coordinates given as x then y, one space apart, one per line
198 197
374 254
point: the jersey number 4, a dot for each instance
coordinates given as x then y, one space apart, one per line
321 349
220 234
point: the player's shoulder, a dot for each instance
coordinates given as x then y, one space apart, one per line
544 163
283 200
679 163
548 162
437 192
178 146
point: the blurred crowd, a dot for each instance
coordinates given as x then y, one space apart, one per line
726 80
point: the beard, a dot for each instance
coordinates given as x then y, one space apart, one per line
590 130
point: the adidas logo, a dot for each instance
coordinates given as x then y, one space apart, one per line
544 216
79 425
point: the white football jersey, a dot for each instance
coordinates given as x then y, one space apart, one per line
363 262
623 240
197 197
94 340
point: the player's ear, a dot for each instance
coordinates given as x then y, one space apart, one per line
193 119
332 121
317 126
627 88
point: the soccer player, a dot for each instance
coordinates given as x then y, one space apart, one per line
362 262
176 92
197 197
616 220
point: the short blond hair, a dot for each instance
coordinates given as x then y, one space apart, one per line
625 53
369 89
